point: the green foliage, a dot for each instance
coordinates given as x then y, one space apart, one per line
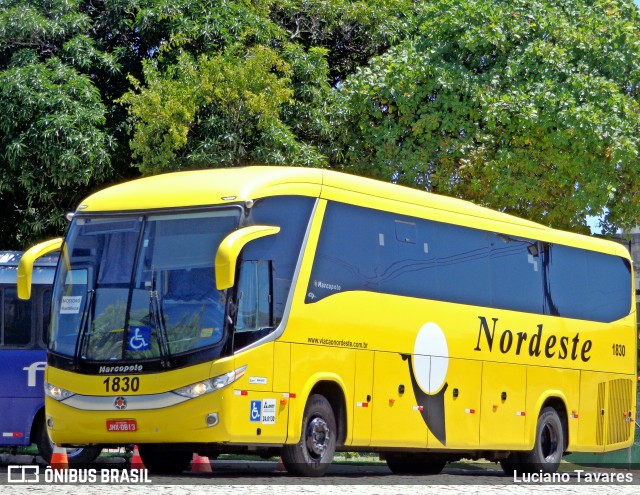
51 139
40 25
55 28
202 26
196 106
526 106
529 107
214 111
351 31
306 113
206 83
57 77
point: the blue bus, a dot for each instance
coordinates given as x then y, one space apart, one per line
23 344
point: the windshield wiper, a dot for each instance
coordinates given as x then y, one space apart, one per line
84 327
155 309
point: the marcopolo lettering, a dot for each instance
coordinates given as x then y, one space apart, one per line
120 369
536 344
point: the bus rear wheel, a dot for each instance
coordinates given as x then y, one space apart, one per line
313 454
549 444
77 456
162 459
415 463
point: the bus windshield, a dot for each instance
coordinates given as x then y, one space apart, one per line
133 288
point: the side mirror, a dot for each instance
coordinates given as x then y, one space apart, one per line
25 266
229 250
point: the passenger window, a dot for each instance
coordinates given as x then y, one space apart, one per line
516 277
16 331
254 315
369 250
291 214
589 285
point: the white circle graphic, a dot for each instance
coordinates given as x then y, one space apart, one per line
430 358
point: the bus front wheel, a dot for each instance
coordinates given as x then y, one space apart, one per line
77 456
549 444
313 454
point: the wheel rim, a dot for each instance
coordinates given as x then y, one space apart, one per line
317 438
549 443
71 452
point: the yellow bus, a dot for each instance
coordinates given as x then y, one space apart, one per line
299 312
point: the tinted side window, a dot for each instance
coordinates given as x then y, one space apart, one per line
363 249
462 258
589 285
16 320
353 253
291 214
254 316
370 250
516 274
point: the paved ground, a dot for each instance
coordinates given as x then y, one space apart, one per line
255 478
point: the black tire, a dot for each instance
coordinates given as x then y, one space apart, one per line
419 464
77 456
549 445
313 454
162 459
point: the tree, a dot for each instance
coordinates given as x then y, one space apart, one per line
209 73
225 91
352 32
215 111
530 107
59 135
276 62
96 45
52 135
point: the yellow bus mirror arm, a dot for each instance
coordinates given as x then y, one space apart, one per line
25 267
230 248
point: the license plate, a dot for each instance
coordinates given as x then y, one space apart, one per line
126 425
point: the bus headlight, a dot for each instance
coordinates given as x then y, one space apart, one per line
211 385
56 393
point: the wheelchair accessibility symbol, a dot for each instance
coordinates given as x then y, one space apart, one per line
256 411
140 338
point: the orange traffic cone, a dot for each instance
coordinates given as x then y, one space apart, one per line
136 460
281 465
59 459
200 464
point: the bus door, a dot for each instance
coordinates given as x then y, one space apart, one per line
262 407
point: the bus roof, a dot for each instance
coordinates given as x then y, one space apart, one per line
12 258
43 270
233 185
